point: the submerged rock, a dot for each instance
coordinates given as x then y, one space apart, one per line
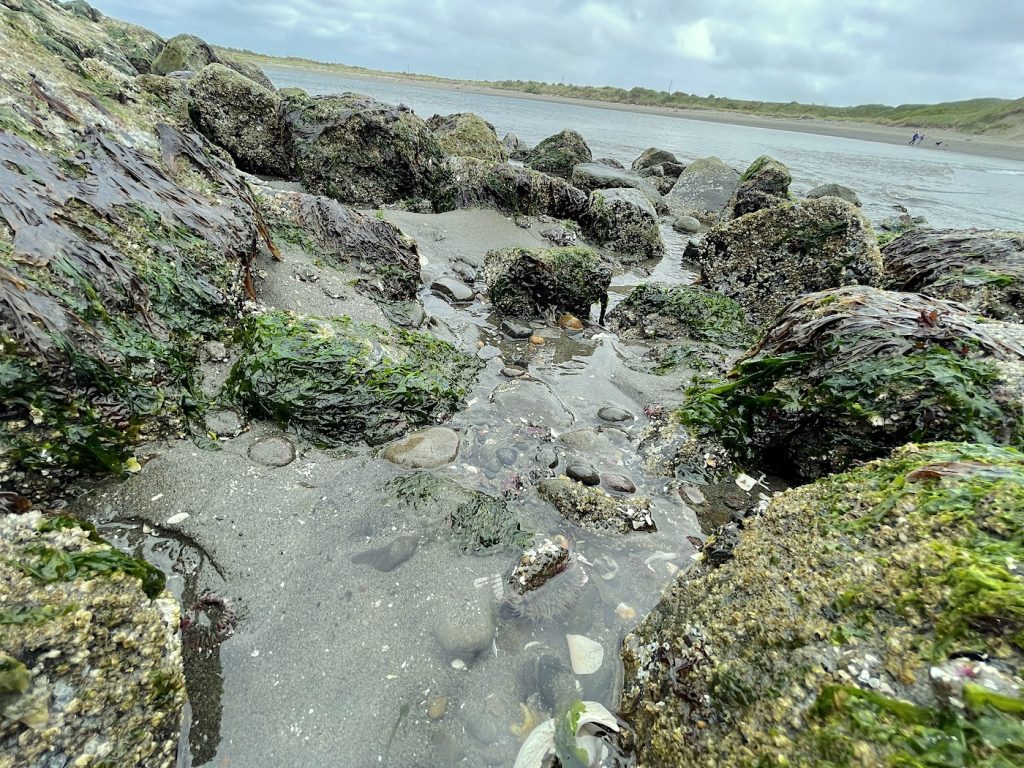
984 270
559 154
467 135
764 184
526 282
590 507
848 374
823 640
704 189
766 259
625 221
341 381
91 665
653 311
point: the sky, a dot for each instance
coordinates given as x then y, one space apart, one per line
836 52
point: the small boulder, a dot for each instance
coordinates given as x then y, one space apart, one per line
653 156
183 53
686 225
834 190
590 507
764 184
467 135
559 154
525 282
625 221
593 176
515 147
425 449
704 189
452 290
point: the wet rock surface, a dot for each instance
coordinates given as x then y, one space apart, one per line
528 282
763 185
426 449
559 154
594 509
625 221
467 135
594 176
704 189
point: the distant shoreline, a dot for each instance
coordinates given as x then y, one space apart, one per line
983 146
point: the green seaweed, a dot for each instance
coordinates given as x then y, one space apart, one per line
701 314
14 676
49 565
567 723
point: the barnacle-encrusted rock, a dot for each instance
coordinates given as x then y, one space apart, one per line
538 564
704 189
592 508
982 269
848 374
834 190
526 282
655 311
824 639
558 154
764 184
625 221
467 135
766 259
188 53
90 666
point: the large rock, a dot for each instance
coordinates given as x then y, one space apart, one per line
764 184
704 189
467 135
846 375
138 44
653 156
340 381
593 176
510 189
657 312
516 148
90 656
525 282
834 190
982 269
425 449
241 116
188 53
766 259
625 221
359 150
872 618
559 154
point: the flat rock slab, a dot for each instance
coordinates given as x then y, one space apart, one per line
453 290
425 449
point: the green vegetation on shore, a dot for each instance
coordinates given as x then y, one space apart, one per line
999 117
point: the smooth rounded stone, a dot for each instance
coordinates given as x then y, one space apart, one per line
452 290
273 452
617 482
425 449
537 340
688 225
533 401
488 352
570 322
513 371
583 473
516 330
507 456
584 440
465 630
614 414
389 556
834 190
437 708
224 422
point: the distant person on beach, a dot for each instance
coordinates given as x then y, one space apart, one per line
913 139
921 137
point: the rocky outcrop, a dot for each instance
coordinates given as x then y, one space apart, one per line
861 620
834 190
359 150
559 154
467 135
659 312
766 259
625 221
848 374
241 116
983 270
704 189
525 282
90 666
188 53
138 44
653 156
763 185
593 176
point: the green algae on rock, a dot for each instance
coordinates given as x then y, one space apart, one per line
467 135
340 381
655 311
625 221
848 374
91 667
558 154
871 618
526 282
764 184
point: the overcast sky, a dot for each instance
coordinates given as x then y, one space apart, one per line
823 51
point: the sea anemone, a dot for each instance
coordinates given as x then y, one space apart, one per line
555 597
208 622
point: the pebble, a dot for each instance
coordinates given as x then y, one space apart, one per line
273 452
425 449
437 708
216 351
614 414
547 457
507 456
452 290
570 322
625 612
389 556
583 473
465 631
616 482
516 330
225 422
537 340
512 371
487 352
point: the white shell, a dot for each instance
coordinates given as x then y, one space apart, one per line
178 518
745 482
585 654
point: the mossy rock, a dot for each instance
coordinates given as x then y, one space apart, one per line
558 154
138 44
625 221
339 381
764 184
467 135
653 156
527 282
848 374
183 53
982 269
871 618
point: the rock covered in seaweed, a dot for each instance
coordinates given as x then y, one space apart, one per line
847 627
766 259
981 269
625 221
90 667
764 184
592 508
704 189
526 282
848 374
655 311
557 155
468 135
341 381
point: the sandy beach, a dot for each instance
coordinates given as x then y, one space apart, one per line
937 141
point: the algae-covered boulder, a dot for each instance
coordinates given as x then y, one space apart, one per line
653 311
90 654
510 189
704 189
241 116
183 53
527 282
874 618
766 259
834 190
625 221
340 381
596 510
359 150
982 269
559 154
848 374
764 184
593 176
477 523
138 44
467 135
653 156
